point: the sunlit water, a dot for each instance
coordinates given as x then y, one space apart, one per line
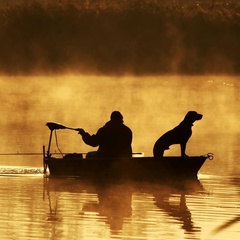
73 209
33 207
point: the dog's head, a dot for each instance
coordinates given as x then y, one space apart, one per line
192 116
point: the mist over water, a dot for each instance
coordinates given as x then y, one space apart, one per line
150 106
119 37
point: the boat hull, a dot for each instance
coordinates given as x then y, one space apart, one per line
135 168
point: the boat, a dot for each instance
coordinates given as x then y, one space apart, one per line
137 167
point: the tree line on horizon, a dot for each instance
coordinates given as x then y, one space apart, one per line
119 37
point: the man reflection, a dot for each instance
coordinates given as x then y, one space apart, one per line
114 138
114 204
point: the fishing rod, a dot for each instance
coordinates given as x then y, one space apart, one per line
19 154
30 154
53 153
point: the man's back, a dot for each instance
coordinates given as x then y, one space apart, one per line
114 140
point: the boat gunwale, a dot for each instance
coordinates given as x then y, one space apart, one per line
141 167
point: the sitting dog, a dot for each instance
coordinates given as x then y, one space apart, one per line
178 135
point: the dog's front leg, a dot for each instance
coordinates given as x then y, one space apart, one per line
183 149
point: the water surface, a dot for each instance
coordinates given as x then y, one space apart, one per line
36 208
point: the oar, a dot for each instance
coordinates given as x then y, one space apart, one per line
55 126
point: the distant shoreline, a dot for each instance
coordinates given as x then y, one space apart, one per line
124 37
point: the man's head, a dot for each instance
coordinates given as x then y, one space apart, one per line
116 116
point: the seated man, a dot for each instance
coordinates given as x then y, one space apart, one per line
114 138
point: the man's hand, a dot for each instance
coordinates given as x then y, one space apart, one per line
80 131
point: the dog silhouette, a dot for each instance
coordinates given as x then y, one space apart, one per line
178 135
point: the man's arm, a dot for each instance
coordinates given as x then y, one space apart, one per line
91 140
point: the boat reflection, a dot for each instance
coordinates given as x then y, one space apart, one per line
112 202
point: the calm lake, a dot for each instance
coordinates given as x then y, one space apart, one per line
35 207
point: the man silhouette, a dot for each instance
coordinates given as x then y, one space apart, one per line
114 139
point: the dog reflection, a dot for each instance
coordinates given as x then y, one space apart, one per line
179 211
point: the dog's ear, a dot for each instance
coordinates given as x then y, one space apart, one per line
192 113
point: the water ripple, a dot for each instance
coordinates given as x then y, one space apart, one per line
20 171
